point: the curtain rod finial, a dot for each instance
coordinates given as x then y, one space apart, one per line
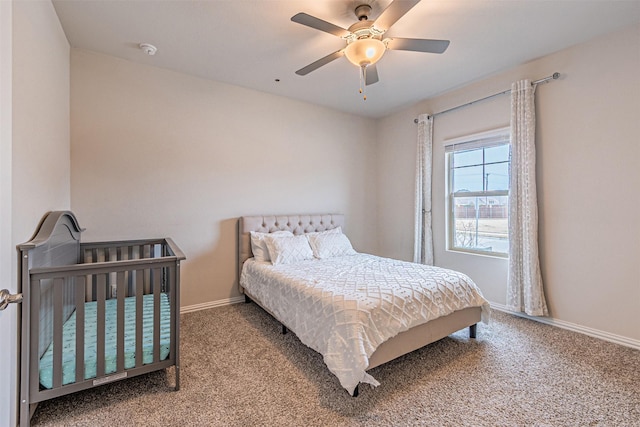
556 76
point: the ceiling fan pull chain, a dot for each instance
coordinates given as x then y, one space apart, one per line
363 80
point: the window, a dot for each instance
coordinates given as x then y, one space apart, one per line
478 193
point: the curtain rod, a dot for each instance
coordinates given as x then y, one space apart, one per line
554 76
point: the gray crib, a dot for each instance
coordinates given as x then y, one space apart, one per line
94 313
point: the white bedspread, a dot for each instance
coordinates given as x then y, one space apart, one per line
345 307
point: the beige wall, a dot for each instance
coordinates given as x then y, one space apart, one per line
34 149
40 156
8 317
158 153
213 152
588 149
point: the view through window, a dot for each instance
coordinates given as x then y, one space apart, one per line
478 189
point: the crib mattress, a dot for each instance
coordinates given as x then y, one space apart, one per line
90 338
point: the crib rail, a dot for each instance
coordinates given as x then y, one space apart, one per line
122 249
106 271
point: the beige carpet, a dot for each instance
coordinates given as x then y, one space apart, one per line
238 370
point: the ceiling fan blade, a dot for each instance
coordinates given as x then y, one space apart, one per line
372 75
319 63
393 12
418 45
319 24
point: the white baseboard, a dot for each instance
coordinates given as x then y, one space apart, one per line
211 304
606 336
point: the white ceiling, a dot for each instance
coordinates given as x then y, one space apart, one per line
251 43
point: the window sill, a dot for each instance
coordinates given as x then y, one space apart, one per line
479 253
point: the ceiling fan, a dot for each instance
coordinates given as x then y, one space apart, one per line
364 43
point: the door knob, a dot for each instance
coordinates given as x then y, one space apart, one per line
7 298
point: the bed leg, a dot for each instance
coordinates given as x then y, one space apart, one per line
247 300
472 330
284 330
356 391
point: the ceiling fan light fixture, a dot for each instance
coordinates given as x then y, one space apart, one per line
365 52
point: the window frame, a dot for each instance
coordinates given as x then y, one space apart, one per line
493 138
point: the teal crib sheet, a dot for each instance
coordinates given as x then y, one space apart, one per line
90 338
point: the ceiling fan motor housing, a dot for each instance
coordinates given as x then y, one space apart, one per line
363 30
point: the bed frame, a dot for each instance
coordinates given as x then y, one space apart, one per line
59 275
403 343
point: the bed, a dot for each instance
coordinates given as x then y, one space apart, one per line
93 313
372 309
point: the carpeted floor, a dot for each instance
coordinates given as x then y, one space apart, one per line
238 370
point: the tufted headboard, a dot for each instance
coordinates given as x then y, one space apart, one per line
297 224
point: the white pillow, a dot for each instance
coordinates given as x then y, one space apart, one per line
288 249
336 230
259 247
329 245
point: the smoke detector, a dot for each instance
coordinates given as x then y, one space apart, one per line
149 49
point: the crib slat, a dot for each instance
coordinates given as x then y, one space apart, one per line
145 252
34 380
100 322
58 320
130 288
112 256
80 296
139 316
173 285
156 274
94 258
120 321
